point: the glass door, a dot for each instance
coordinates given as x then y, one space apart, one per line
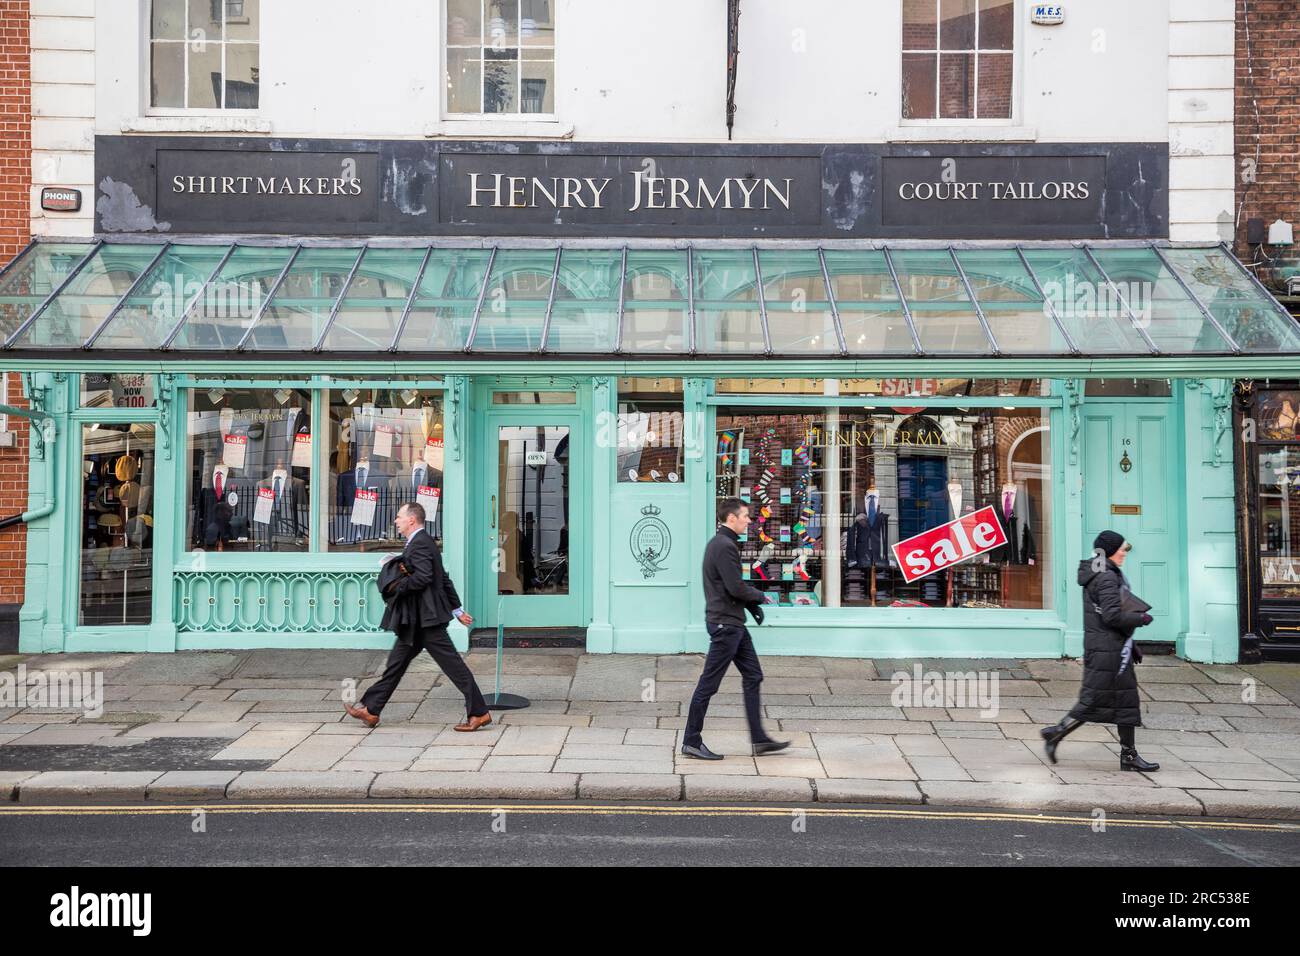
535 552
117 482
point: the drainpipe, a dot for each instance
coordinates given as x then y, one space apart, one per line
37 419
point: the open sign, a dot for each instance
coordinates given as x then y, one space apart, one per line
959 540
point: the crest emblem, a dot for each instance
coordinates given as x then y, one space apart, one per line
650 541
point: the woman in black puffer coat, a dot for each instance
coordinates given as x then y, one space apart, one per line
1109 694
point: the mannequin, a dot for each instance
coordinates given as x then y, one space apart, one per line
867 545
954 499
1015 517
288 507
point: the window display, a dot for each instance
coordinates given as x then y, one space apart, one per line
117 480
249 464
833 491
1278 433
651 436
386 447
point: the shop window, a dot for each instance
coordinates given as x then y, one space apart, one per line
1127 388
500 57
534 398
117 390
249 464
651 430
386 448
832 490
958 59
204 54
1278 476
117 481
887 387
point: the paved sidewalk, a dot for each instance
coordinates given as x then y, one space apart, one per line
269 725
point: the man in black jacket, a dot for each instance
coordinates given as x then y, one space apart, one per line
726 598
423 601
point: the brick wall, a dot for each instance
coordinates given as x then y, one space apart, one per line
15 183
1267 101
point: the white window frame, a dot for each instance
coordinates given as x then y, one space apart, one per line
495 119
1017 44
147 69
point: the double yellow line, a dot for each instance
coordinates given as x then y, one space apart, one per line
622 809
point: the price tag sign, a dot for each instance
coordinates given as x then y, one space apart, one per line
363 507
301 451
428 498
234 450
262 510
383 441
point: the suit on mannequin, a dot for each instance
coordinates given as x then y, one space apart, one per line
868 539
1015 515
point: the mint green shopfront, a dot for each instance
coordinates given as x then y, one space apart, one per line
223 432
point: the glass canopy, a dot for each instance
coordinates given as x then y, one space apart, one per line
1088 300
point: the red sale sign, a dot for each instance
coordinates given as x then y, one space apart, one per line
942 547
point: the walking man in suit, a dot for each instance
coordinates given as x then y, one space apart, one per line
726 598
424 601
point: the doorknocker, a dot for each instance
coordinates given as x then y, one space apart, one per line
1125 465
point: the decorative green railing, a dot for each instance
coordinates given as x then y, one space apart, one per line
287 601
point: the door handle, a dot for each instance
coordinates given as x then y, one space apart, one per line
494 512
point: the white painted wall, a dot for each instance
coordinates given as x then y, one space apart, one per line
813 71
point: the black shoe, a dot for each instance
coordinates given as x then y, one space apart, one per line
1130 759
770 747
1055 734
700 752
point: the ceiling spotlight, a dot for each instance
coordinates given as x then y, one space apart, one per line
282 395
215 395
350 395
409 395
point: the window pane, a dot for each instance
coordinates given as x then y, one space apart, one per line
538 90
464 79
1015 311
167 74
918 85
117 390
799 315
221 317
870 311
957 24
1169 314
249 460
1252 320
537 22
1094 316
1279 519
997 24
443 310
296 316
148 316
464 22
242 20
205 21
651 436
919 24
386 448
584 318
31 279
117 480
655 302
515 305
996 70
167 20
243 76
726 302
205 76
372 307
500 86
956 85
502 24
944 314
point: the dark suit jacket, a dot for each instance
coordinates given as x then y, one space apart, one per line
425 597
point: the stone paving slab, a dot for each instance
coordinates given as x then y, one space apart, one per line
1117 801
766 789
191 785
867 791
629 786
503 786
57 786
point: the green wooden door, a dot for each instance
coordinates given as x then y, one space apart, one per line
528 517
1132 481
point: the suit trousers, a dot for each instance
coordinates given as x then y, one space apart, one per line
728 643
438 644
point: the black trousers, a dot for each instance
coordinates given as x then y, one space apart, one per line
438 644
728 643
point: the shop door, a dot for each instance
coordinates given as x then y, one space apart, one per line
529 519
1130 485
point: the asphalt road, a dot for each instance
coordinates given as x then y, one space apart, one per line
463 833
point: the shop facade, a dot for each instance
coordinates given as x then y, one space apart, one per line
568 357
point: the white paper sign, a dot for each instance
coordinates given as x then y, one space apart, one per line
262 510
363 507
226 418
234 450
428 498
301 451
535 458
383 441
433 453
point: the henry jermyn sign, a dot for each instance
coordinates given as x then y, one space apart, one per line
179 185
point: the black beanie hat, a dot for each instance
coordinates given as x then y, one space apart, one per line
1108 542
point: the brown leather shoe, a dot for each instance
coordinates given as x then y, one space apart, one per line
473 723
363 715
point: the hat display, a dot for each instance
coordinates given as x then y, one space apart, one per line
126 468
129 493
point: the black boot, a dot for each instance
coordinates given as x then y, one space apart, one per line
1129 758
1055 734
